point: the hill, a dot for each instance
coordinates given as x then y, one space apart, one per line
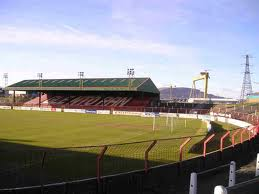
182 92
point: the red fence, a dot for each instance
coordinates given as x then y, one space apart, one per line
76 163
248 114
53 165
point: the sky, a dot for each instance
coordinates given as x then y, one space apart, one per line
170 41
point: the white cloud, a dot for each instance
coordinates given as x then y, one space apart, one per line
71 38
71 28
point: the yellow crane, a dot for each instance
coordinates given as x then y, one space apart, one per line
203 76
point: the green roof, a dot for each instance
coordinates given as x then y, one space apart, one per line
93 84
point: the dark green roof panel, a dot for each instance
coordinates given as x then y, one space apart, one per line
95 84
148 86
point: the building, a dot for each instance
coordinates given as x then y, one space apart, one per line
213 100
253 98
89 93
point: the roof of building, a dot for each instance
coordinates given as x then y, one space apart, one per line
255 93
253 96
88 84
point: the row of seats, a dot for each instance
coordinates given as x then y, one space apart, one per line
77 101
87 101
186 105
145 101
35 101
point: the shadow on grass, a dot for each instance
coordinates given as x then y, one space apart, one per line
24 165
214 144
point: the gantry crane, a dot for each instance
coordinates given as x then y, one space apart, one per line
203 76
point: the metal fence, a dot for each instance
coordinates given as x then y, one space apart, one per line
239 108
244 113
29 167
44 166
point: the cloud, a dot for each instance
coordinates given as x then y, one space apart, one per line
148 11
71 28
72 38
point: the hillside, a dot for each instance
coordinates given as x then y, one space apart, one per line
181 92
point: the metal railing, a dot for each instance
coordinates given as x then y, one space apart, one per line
44 166
20 167
249 186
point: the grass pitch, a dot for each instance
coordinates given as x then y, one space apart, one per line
55 130
26 135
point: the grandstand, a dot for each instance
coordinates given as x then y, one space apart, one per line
96 93
121 94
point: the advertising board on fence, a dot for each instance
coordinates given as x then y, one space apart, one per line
206 117
6 107
220 114
150 114
22 108
188 116
75 110
168 114
35 108
103 112
127 113
90 111
57 110
44 109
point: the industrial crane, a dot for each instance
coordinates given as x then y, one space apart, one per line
203 76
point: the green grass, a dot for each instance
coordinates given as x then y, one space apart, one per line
54 130
24 133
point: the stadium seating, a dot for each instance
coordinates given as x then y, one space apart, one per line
98 101
88 101
35 101
139 102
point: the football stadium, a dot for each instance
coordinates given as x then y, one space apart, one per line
129 97
84 93
80 131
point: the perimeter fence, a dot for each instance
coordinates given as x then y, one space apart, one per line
188 109
248 113
27 166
